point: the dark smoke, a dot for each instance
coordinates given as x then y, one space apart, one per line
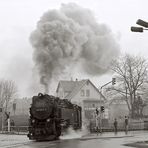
71 36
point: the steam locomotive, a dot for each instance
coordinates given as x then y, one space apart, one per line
50 116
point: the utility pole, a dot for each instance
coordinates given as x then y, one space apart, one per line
8 120
2 117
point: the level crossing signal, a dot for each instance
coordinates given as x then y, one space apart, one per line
97 111
102 109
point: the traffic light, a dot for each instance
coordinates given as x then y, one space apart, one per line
137 29
102 109
97 111
113 81
7 115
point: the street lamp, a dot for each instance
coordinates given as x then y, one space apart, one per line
136 29
142 23
140 29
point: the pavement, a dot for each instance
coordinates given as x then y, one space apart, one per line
108 135
7 140
88 135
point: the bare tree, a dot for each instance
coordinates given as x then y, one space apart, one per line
131 74
7 91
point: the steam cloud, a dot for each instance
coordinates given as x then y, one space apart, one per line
70 36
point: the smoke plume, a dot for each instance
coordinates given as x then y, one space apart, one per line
70 36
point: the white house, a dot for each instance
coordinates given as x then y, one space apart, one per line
83 93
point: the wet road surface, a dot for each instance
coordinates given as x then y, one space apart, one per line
90 141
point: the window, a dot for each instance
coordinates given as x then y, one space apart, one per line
82 92
87 93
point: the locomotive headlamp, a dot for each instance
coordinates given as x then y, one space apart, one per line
48 120
33 120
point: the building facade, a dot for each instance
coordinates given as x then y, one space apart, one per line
83 93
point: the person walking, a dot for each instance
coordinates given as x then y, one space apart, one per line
12 124
115 126
126 124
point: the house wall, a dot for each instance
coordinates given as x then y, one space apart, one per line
118 111
20 114
94 94
87 102
90 107
145 110
21 108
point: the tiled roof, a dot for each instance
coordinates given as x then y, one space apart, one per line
67 85
78 86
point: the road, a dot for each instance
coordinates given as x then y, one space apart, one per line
106 140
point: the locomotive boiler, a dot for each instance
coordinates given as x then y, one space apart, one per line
50 116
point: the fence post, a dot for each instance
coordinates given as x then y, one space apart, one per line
8 120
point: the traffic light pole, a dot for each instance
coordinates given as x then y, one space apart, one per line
105 85
97 119
101 112
98 116
113 83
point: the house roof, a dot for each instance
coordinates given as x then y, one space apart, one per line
74 86
67 85
78 86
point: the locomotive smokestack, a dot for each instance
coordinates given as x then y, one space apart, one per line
44 81
69 37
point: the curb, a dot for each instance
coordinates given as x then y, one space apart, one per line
104 137
142 144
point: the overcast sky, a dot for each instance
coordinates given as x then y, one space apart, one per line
18 18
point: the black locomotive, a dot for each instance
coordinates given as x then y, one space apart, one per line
50 116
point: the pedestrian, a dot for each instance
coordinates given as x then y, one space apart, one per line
126 124
115 126
12 124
